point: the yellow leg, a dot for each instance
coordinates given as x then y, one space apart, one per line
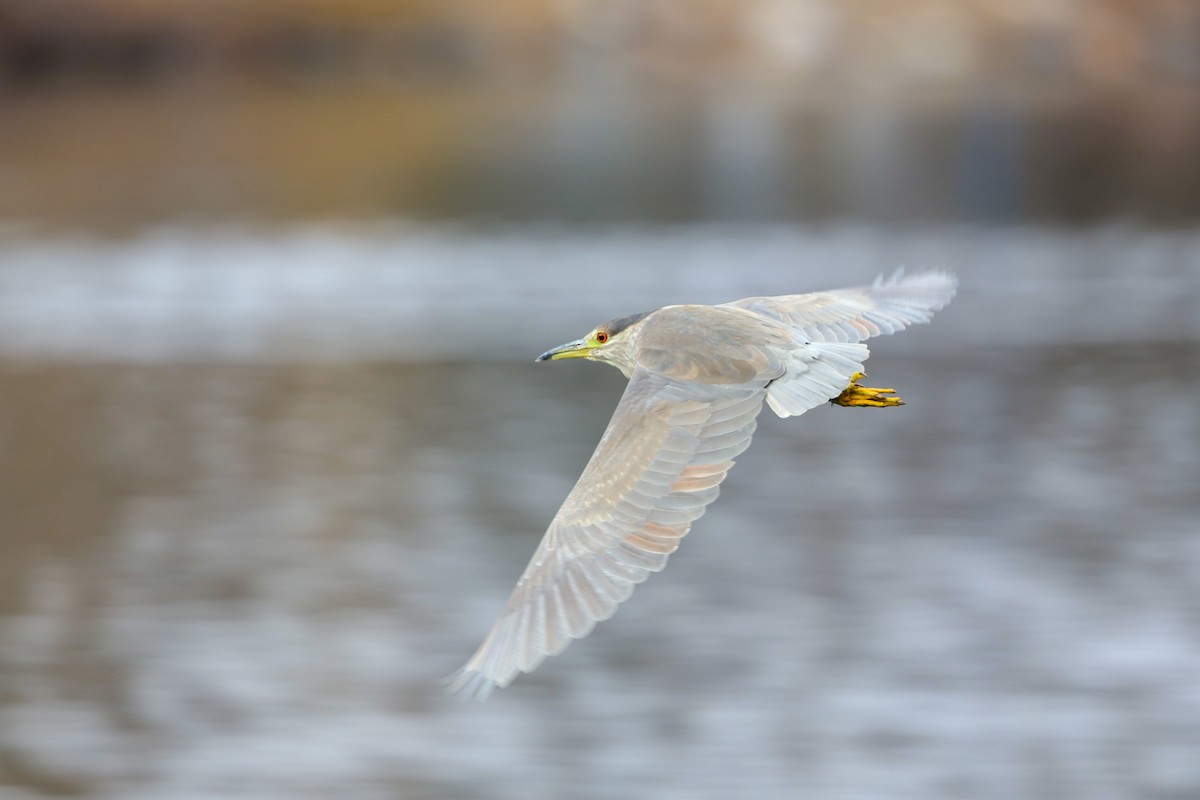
855 396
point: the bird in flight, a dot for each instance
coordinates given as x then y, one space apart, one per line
698 377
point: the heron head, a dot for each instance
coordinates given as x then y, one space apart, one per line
602 343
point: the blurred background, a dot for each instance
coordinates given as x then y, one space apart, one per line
273 450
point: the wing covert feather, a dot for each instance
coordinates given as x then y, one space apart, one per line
657 466
852 315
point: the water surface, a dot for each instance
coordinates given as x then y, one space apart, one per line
243 577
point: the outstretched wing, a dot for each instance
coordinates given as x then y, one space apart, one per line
828 329
657 467
852 315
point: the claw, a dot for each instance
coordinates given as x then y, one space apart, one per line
856 396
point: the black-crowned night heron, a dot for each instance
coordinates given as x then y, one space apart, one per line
698 376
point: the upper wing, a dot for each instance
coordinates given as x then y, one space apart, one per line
658 465
828 329
852 315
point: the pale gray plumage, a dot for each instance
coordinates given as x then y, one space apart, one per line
698 379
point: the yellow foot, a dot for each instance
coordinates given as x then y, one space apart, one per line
854 396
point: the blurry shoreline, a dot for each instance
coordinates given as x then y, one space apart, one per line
216 150
133 114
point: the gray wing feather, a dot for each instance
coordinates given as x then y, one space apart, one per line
852 315
829 328
668 447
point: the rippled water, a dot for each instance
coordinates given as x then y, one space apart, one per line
243 577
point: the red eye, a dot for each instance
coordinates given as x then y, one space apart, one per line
601 337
